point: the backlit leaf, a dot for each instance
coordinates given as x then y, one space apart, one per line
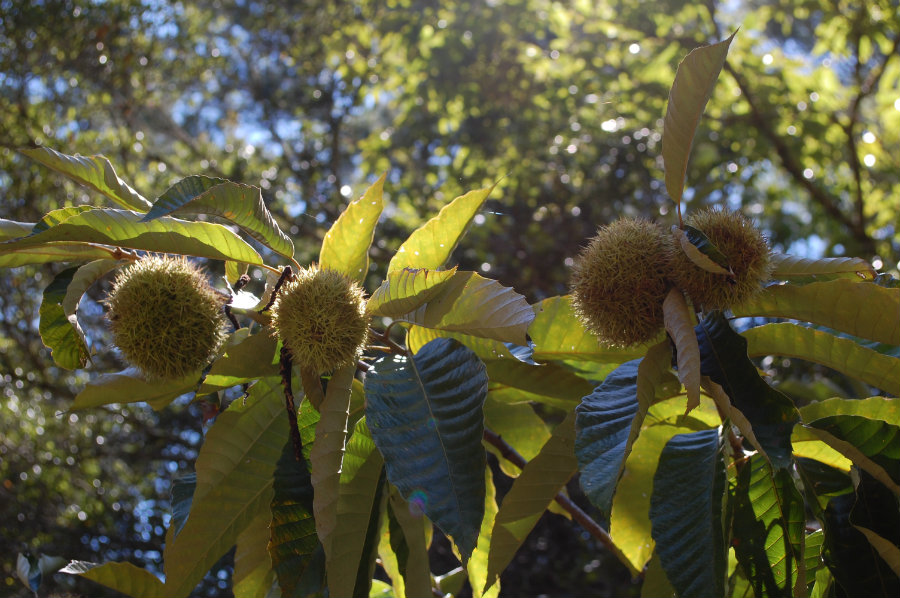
405 290
873 445
431 244
60 333
125 578
531 494
253 575
686 514
94 172
790 267
129 386
125 229
53 252
241 204
235 469
694 82
10 229
518 425
841 354
862 309
425 414
345 247
558 335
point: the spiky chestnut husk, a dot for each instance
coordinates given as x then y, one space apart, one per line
619 282
165 317
320 316
743 246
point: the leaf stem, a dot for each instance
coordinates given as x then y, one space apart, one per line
585 520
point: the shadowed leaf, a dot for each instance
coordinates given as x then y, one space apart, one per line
122 577
680 327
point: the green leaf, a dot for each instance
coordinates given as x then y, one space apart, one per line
790 267
84 278
656 584
403 291
629 522
603 424
125 229
241 204
694 82
686 514
125 578
558 335
244 357
360 476
873 445
59 332
841 354
129 386
53 252
477 567
345 247
812 553
182 495
701 251
54 217
297 556
327 456
425 414
680 326
10 229
235 469
876 515
768 529
470 304
486 349
94 172
862 309
403 549
724 359
253 575
550 379
531 494
431 244
518 425
881 408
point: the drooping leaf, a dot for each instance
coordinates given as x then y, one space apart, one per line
54 252
841 354
297 556
531 494
94 172
235 469
327 455
425 414
724 359
129 386
404 544
549 379
124 228
60 333
345 247
84 278
468 303
686 514
873 445
680 327
431 244
10 229
629 523
59 215
602 426
243 357
253 575
880 408
768 529
694 82
790 267
877 516
477 565
808 446
656 584
125 578
360 477
558 335
241 204
862 309
403 291
700 250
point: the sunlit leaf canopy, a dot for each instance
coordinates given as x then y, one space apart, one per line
559 104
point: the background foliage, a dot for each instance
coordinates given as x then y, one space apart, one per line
307 101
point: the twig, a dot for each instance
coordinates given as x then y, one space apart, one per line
286 367
385 338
